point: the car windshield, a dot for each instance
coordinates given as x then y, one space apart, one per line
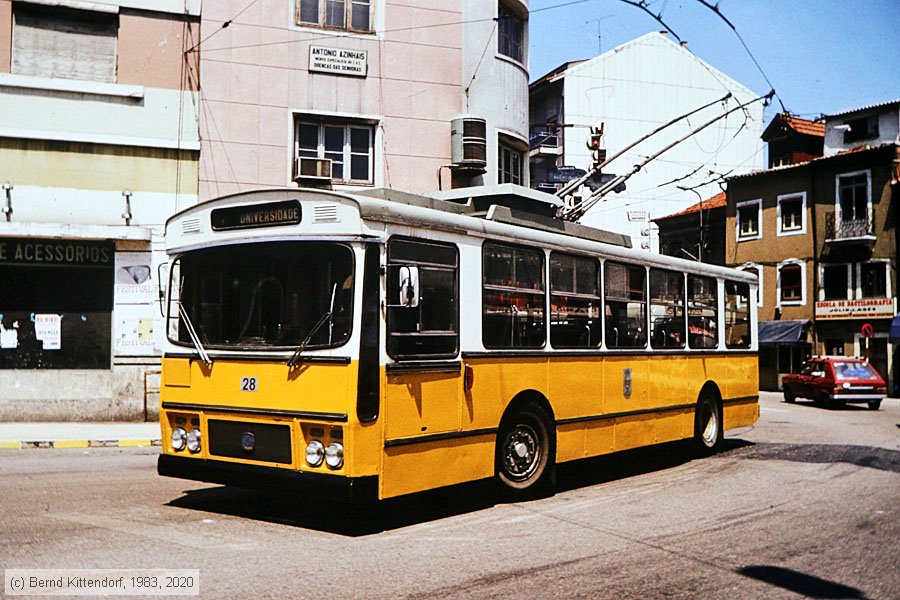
272 294
853 370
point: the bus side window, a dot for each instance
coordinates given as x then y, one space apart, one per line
702 310
666 309
574 301
626 305
423 290
513 297
737 315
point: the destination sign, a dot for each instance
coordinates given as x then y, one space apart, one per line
257 215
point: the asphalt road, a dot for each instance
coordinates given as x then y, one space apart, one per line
806 503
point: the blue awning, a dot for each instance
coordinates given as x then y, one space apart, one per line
782 332
895 329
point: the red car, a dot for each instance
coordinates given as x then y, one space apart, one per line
835 380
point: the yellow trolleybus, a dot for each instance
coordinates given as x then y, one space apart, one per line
377 344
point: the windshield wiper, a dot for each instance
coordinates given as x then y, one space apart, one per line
294 359
195 339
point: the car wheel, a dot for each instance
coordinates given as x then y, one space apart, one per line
789 396
708 431
826 401
874 404
525 452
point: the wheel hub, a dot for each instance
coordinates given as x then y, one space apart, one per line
521 454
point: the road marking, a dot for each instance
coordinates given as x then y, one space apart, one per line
774 410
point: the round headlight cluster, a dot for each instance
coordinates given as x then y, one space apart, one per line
179 439
334 455
315 453
193 441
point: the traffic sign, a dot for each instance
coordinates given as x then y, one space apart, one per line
867 330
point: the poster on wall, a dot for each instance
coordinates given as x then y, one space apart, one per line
135 279
134 330
48 329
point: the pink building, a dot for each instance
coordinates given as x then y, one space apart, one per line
355 93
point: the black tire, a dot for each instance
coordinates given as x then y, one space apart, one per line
525 458
709 433
874 404
789 396
827 402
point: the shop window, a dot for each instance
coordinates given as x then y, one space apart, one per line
791 283
513 297
574 301
667 325
625 288
348 15
430 328
792 214
834 347
64 43
835 283
703 329
749 220
348 145
873 280
510 34
737 315
56 302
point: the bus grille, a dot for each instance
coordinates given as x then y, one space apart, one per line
251 441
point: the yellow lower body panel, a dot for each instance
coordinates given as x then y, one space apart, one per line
424 466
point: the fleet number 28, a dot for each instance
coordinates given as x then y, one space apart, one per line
248 384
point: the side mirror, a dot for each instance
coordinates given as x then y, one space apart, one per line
409 287
162 281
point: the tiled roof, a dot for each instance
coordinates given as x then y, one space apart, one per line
817 159
799 125
717 201
856 110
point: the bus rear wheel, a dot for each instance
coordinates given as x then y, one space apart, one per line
708 431
524 454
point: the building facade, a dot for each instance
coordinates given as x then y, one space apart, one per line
363 93
821 235
631 90
98 146
697 232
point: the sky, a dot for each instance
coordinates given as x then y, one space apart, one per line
821 56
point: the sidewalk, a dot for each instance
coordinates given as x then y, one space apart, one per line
78 435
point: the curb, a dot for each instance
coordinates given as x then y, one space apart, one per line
22 445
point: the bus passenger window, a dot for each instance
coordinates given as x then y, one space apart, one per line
702 310
666 309
626 306
513 297
737 315
574 301
426 326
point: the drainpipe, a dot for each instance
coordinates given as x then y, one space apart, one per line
7 205
127 214
817 255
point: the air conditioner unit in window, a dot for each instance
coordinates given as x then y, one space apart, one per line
313 168
468 136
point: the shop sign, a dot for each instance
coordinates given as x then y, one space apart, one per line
875 308
49 252
338 61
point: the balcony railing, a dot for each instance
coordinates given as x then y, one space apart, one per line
848 229
545 138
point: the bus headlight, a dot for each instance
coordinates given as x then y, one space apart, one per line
315 453
179 438
334 455
193 441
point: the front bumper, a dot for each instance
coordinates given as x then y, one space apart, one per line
347 489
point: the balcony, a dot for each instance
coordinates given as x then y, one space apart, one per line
849 230
545 141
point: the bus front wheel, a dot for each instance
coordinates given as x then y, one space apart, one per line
708 431
524 455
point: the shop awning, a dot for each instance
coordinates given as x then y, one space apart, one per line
782 332
895 329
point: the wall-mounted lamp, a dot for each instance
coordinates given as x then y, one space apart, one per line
7 202
127 214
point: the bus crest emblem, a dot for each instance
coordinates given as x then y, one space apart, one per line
626 383
248 441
